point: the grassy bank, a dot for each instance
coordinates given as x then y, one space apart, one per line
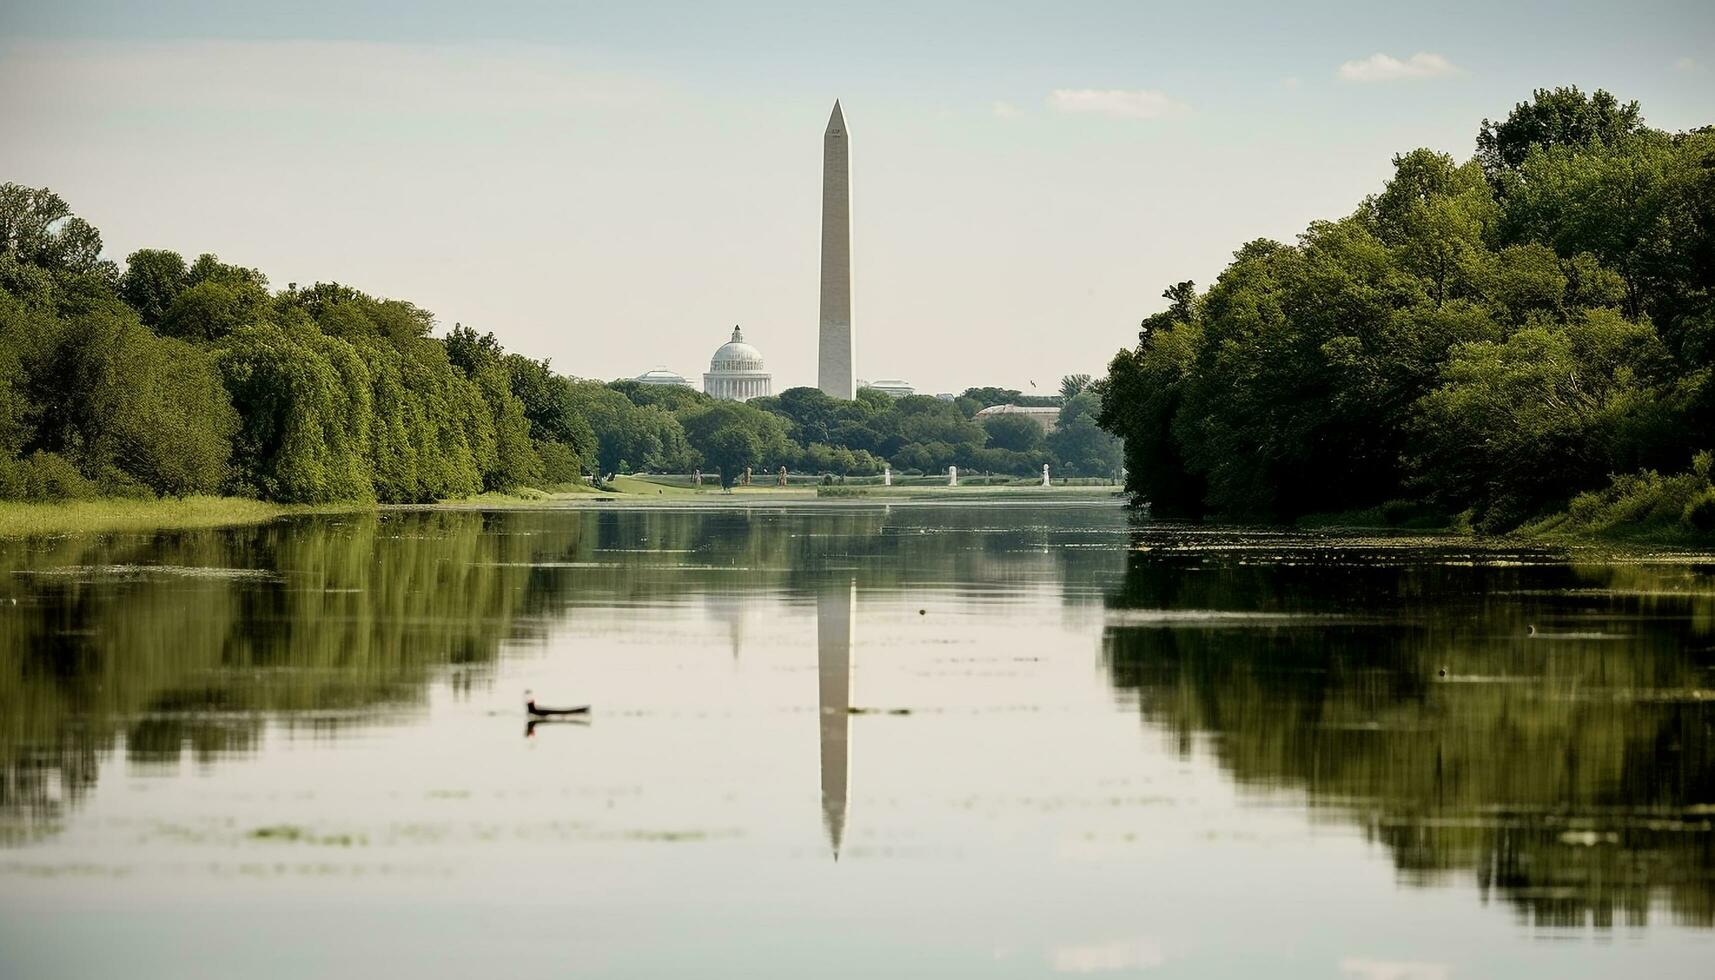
1644 507
1634 508
109 516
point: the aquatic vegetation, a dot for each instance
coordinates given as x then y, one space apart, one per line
294 834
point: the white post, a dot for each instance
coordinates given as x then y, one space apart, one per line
1045 475
952 476
887 476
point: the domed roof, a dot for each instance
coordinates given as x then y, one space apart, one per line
662 376
736 355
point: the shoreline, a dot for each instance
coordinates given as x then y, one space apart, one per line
22 521
120 515
671 496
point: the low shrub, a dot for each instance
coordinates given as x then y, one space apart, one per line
1641 505
52 477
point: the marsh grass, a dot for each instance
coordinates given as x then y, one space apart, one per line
1644 506
121 515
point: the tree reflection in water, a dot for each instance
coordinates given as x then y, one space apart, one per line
152 645
149 646
1570 769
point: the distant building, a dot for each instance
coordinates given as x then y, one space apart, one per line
890 386
662 376
1046 416
946 396
736 372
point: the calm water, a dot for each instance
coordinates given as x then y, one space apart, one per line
855 741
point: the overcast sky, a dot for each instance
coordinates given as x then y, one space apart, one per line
614 185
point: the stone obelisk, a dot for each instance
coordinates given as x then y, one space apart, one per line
834 347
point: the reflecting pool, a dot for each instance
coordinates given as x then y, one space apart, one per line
851 739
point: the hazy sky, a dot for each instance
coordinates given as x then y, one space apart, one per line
615 184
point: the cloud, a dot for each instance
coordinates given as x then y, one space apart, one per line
1004 110
328 77
1380 67
1687 65
1368 969
1123 954
1291 83
1118 103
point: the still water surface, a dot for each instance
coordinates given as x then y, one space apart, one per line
917 740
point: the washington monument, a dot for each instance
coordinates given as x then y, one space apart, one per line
834 348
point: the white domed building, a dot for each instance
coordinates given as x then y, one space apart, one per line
664 377
736 372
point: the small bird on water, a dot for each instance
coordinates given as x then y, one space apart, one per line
538 711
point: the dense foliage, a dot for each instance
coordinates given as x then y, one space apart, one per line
1493 337
169 377
646 427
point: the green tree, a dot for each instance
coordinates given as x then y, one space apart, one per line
1516 427
306 407
1142 395
153 279
813 415
1079 444
133 412
562 434
1072 384
729 436
1642 209
1013 431
38 228
1559 117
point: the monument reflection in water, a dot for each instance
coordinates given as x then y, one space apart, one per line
1087 745
835 609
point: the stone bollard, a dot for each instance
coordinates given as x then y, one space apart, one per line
952 476
887 476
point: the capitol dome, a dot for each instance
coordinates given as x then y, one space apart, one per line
736 372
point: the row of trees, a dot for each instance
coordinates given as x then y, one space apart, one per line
672 429
175 377
1493 336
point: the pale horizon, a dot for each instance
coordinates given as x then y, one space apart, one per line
614 189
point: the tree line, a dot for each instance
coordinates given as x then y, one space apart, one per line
175 377
1527 333
669 428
